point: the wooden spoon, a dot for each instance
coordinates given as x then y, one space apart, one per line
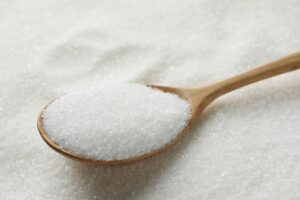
199 99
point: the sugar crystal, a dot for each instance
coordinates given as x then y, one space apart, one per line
115 121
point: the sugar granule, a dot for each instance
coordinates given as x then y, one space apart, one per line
115 121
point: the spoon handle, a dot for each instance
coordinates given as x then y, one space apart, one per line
280 66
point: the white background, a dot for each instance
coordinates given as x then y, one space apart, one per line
246 145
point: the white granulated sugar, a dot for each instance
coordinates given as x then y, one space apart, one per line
115 122
245 145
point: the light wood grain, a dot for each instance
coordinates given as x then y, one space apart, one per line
199 99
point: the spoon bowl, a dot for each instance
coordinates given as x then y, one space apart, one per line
198 98
183 93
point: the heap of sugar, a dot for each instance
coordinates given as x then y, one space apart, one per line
115 121
246 145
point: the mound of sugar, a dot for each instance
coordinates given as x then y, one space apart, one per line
115 121
245 145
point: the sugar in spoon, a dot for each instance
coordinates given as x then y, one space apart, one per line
198 98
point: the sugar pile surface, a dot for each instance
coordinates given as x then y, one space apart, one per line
115 121
246 144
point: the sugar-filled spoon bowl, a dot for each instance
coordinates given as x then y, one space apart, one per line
198 99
